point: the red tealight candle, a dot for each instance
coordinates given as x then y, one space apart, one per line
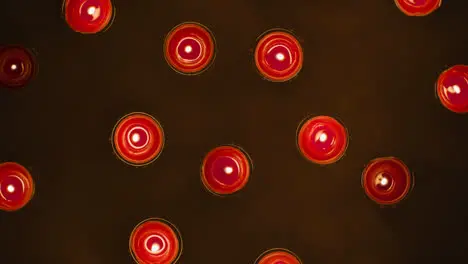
155 241
138 139
189 48
278 256
452 88
88 16
225 170
418 7
17 66
386 180
322 139
278 56
16 186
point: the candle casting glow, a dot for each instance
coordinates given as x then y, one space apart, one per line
189 48
322 139
386 180
17 66
225 170
452 88
88 16
16 186
278 256
155 241
138 139
278 56
418 7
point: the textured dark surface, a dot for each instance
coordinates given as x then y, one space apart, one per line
365 63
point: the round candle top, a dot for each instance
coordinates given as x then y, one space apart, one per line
386 180
189 48
17 66
452 88
88 16
278 56
418 7
278 256
225 170
155 241
322 139
16 186
138 138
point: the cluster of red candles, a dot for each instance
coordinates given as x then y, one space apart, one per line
190 48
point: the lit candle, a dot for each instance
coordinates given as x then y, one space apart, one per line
138 139
88 16
155 241
16 186
418 7
452 88
386 181
225 170
278 56
322 139
189 48
18 66
278 256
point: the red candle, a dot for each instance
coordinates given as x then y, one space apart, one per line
138 139
278 56
278 256
189 48
155 241
386 180
418 7
225 170
17 66
16 186
452 88
88 16
322 139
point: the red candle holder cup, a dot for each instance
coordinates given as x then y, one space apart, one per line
278 256
225 170
16 186
386 181
88 16
418 7
452 89
322 139
155 241
278 56
138 139
17 66
189 48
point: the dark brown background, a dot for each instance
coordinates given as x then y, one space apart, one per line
365 63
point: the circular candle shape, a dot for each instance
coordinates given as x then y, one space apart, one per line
88 16
418 7
278 56
16 186
225 170
278 256
189 48
452 88
322 139
17 66
155 241
138 139
386 180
